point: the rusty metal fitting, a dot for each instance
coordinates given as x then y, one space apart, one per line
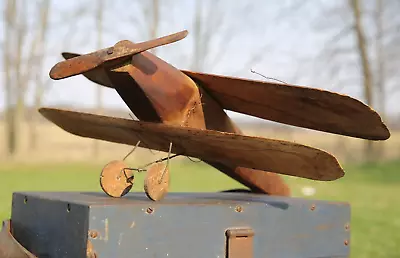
149 210
239 208
93 234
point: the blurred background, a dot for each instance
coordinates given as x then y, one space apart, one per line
347 46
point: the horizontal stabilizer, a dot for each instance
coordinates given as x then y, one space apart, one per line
120 52
97 75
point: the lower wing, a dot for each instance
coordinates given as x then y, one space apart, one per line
232 149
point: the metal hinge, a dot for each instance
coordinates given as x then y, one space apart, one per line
239 243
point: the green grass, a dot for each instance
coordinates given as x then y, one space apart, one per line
371 189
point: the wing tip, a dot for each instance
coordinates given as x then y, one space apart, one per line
61 118
43 111
378 129
49 113
384 132
328 168
185 33
340 173
54 73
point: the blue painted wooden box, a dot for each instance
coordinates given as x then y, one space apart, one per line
185 225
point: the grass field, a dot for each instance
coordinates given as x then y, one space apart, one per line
371 189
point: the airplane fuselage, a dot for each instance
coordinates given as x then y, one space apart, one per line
156 91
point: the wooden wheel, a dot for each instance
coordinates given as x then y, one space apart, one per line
156 183
114 179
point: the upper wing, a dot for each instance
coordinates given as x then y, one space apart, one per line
289 104
295 105
231 149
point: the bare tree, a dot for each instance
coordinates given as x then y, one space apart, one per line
348 55
99 95
9 27
198 42
44 49
40 84
362 50
387 39
365 62
380 73
24 52
380 69
343 24
18 65
207 24
155 21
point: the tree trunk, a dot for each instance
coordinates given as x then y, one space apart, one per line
99 96
39 90
9 24
21 78
380 82
197 34
154 24
366 70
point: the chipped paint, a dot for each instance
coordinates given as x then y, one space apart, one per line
106 229
120 238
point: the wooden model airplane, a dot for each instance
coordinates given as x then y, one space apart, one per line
182 113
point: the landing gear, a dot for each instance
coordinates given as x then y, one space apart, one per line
117 178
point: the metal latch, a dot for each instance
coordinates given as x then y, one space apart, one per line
239 243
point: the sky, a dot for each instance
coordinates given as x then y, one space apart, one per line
284 42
